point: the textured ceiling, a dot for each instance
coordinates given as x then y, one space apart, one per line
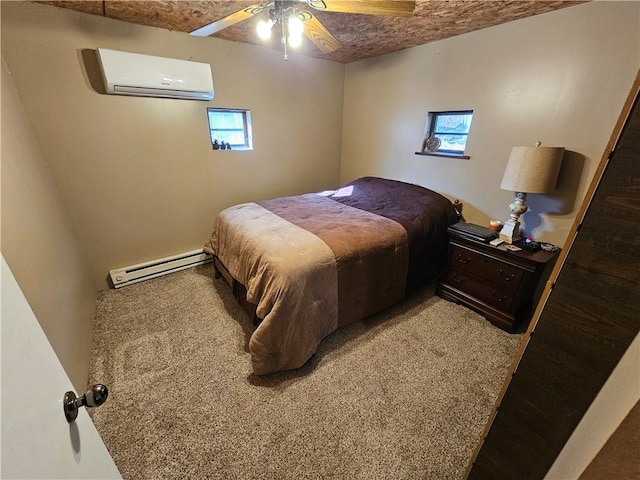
361 36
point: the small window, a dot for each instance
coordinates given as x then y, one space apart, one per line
447 132
230 128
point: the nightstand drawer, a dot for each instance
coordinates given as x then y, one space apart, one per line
497 282
503 275
489 293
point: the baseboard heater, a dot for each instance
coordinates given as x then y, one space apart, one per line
121 277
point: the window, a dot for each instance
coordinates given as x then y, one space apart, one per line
230 128
446 133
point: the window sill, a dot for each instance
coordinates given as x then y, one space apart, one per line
445 155
237 148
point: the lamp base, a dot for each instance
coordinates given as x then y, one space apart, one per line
510 231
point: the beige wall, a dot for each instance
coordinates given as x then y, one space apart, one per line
39 245
560 77
138 176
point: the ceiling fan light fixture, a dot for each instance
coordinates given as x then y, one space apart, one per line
264 28
296 29
295 26
295 41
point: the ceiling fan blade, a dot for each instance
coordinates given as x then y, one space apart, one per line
319 35
229 20
371 7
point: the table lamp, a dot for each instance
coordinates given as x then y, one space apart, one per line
529 170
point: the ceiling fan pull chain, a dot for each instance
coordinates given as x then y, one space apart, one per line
284 40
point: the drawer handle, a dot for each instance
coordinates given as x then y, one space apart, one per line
506 278
458 278
500 299
463 260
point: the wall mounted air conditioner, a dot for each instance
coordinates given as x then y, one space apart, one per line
148 76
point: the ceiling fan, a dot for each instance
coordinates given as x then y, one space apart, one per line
295 22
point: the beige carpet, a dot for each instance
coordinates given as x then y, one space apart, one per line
404 394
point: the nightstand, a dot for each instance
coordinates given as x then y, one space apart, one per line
498 283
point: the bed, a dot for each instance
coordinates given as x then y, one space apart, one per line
303 266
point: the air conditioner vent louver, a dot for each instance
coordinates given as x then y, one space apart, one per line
161 92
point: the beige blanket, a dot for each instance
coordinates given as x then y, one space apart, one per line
310 264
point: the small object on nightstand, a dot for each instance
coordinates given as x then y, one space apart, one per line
549 247
528 245
495 225
496 241
473 231
513 248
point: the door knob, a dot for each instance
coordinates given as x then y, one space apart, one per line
93 397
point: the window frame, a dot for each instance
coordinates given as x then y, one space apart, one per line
246 127
430 130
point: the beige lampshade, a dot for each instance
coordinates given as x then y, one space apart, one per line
532 169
